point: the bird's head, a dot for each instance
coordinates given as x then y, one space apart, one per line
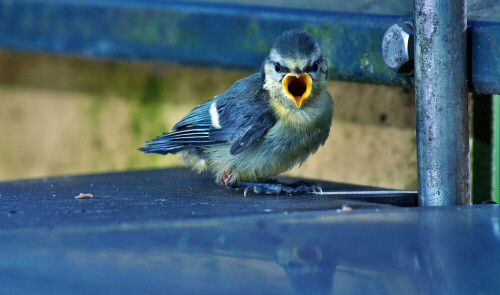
295 70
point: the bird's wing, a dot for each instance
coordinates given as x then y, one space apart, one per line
191 131
200 116
254 133
242 120
240 114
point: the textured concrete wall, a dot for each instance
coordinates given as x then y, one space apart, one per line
66 115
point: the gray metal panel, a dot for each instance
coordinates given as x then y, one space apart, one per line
172 231
158 195
236 34
228 35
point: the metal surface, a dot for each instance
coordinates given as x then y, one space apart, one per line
483 17
155 195
395 7
235 35
398 48
441 102
221 34
392 251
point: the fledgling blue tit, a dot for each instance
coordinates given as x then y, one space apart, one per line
263 125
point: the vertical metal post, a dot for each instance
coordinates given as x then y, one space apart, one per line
441 102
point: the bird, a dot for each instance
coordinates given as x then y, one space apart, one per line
263 125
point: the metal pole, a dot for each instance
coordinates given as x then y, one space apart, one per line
441 102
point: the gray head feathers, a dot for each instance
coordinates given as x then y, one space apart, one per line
295 44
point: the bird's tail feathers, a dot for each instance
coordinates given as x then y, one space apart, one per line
178 140
162 147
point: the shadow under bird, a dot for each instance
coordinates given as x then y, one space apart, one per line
263 125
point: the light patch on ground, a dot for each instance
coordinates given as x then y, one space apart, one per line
68 115
48 132
364 154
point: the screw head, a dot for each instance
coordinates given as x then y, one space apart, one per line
397 48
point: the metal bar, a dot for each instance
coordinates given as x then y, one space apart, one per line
484 45
209 34
441 102
234 35
496 148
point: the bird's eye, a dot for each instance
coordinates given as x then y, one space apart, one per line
315 67
277 67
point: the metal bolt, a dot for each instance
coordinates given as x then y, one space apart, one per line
398 48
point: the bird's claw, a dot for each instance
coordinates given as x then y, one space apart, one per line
308 187
265 188
301 187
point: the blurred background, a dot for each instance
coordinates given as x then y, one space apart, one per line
69 115
82 86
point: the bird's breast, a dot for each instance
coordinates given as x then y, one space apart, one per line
287 143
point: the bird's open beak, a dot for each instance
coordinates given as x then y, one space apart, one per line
297 87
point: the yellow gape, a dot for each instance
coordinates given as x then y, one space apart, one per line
297 87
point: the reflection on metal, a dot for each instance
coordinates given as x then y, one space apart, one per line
308 263
441 102
398 48
394 251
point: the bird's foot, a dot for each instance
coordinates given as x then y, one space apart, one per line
275 187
